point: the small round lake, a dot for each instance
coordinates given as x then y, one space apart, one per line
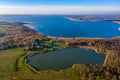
60 60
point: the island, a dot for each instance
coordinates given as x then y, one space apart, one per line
19 42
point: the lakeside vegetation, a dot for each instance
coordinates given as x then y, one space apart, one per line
1 31
20 42
14 68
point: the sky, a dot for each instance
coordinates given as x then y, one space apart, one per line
59 6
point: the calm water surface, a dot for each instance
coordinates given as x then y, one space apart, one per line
60 26
59 60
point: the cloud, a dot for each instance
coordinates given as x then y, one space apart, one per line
58 9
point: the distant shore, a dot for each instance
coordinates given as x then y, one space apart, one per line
92 20
73 19
118 22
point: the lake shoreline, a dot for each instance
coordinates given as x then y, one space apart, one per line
68 49
118 22
69 42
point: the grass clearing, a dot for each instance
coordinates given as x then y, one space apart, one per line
1 30
12 65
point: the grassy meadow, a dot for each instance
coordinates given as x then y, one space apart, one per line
13 67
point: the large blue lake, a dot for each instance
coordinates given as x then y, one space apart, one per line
60 26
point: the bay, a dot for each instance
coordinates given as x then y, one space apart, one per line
59 26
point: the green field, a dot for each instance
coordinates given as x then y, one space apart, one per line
12 66
1 30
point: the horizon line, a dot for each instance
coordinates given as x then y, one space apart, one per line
85 10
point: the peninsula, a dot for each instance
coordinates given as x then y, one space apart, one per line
95 18
118 22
